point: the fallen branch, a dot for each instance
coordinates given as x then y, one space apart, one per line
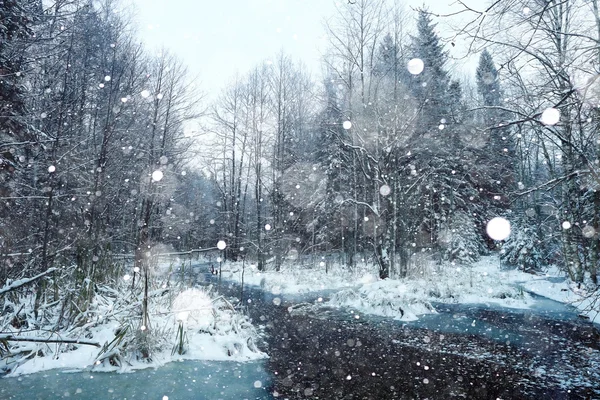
22 282
12 338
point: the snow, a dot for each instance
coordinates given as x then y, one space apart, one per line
550 116
484 282
415 66
406 299
213 331
565 291
21 282
498 228
297 280
157 175
385 190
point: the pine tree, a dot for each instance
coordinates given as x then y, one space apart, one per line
333 222
430 87
523 248
443 204
492 116
497 156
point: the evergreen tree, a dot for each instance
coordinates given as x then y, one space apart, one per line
333 219
523 248
430 87
497 156
488 85
492 116
443 204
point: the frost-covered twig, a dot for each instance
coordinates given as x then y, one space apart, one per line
12 338
22 282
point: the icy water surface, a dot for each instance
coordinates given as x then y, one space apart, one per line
472 351
196 380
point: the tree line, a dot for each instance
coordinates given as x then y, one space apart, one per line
385 159
389 156
94 150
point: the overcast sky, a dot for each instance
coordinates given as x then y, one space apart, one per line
219 38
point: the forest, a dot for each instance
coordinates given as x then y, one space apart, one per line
111 154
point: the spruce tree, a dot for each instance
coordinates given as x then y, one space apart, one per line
445 198
430 87
335 162
497 154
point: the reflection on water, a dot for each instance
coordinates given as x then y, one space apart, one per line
175 381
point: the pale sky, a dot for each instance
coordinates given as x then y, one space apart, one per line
219 38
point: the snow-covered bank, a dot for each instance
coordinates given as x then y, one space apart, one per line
184 323
484 282
294 280
564 291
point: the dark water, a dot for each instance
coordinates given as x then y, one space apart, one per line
177 380
476 351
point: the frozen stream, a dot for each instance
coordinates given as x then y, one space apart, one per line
464 351
178 380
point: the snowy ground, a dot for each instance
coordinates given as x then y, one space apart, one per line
485 282
212 330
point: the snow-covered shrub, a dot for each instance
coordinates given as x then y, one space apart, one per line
523 250
461 241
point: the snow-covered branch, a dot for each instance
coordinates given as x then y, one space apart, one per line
22 282
38 339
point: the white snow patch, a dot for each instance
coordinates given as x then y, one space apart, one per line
213 331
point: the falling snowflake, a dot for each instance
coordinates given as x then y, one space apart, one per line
145 93
221 245
550 116
347 125
51 168
498 228
194 307
588 231
415 66
566 225
385 190
157 175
